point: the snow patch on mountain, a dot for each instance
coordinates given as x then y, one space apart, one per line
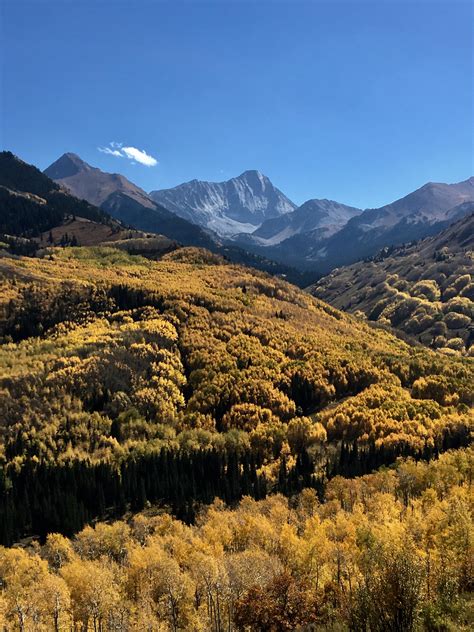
239 205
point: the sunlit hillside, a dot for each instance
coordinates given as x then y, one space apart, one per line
115 365
425 290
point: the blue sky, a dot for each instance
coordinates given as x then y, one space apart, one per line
360 102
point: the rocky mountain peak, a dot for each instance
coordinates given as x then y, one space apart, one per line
237 205
69 164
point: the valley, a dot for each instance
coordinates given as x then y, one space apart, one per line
236 316
155 393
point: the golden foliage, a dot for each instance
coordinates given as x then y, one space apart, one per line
396 544
115 353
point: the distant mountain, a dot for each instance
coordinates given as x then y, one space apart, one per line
92 184
239 205
248 213
420 214
425 289
124 200
325 216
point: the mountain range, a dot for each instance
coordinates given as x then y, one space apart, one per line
424 212
132 206
361 234
37 212
248 214
418 289
123 200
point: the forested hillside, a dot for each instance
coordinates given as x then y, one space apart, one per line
391 550
425 290
125 380
31 203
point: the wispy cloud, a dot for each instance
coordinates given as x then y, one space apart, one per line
132 153
110 151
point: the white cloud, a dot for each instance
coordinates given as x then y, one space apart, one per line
140 156
111 152
132 153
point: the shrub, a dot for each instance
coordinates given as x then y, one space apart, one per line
449 292
402 285
456 343
462 281
460 305
439 341
426 289
457 321
402 311
435 387
440 328
378 309
468 291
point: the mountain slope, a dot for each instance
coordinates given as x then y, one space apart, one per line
38 214
124 200
237 205
92 184
326 216
420 214
184 351
30 202
425 290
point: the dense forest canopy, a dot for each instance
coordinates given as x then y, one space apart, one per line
128 383
106 354
391 550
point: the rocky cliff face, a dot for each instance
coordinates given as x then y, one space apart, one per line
238 205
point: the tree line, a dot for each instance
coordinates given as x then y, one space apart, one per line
44 498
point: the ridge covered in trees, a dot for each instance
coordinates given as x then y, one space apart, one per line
32 203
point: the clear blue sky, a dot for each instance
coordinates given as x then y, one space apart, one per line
360 102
